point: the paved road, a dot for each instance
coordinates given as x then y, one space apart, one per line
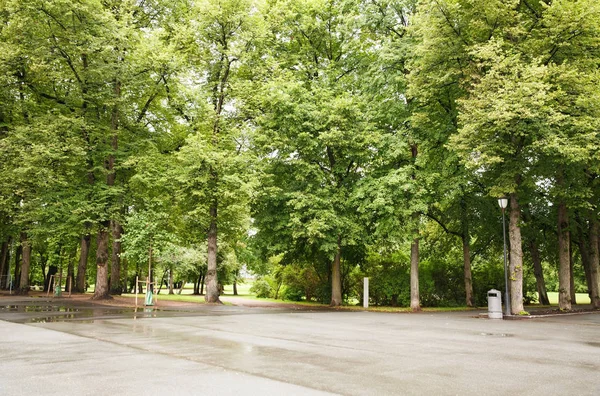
231 350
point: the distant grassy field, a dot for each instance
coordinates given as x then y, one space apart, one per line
582 298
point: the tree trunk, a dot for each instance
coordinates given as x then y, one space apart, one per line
538 273
202 279
115 271
4 264
516 257
102 290
71 271
171 280
82 267
235 293
17 273
24 283
336 276
564 272
212 287
572 273
469 298
415 303
595 261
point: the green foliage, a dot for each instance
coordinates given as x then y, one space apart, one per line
261 288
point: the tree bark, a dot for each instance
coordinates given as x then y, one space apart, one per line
202 278
336 276
564 272
102 290
171 280
82 267
115 271
594 241
24 283
17 273
415 303
4 264
71 271
469 298
212 287
538 273
516 257
235 292
572 273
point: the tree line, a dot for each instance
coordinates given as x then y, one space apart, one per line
314 142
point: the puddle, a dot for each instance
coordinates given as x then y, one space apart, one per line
48 313
496 334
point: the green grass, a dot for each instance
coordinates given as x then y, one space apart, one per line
582 298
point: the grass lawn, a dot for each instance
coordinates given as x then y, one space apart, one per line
582 298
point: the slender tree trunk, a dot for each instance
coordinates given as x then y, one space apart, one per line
102 290
564 272
538 272
24 283
594 262
336 276
83 260
202 280
212 287
235 292
115 272
71 271
516 257
572 272
415 302
4 263
171 280
470 300
17 272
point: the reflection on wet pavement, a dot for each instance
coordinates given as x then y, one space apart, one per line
34 310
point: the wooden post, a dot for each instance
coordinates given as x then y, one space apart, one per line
366 293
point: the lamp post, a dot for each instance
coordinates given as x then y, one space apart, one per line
503 202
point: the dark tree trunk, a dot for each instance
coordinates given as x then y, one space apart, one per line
115 272
171 280
52 270
24 283
17 272
70 271
83 260
235 292
564 272
469 298
516 257
538 272
336 276
212 287
572 273
202 281
102 290
4 261
594 262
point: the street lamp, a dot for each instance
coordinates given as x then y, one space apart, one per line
503 202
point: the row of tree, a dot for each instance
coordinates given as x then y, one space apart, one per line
331 134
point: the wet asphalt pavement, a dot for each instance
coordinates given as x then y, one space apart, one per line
58 347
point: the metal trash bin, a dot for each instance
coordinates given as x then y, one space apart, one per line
494 298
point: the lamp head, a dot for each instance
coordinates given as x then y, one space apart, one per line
503 202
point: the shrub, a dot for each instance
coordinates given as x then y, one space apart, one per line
261 288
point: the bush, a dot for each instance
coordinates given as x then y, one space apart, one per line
261 288
292 293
